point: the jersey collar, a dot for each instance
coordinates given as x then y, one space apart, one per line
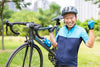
71 28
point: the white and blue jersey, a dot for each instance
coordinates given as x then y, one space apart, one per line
68 44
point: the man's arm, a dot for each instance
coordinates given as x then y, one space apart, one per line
52 39
91 39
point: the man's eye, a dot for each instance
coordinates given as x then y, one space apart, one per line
71 17
66 18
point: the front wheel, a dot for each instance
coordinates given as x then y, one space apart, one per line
20 57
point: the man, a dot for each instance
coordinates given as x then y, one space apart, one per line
69 38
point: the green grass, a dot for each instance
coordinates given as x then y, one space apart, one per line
12 43
87 57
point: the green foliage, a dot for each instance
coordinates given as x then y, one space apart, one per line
7 13
45 16
20 3
23 16
55 8
85 25
42 17
97 33
96 27
78 22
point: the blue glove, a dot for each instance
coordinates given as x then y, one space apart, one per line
51 30
91 24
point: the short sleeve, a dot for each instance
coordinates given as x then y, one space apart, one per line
84 35
57 35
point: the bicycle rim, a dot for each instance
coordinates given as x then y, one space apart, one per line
17 57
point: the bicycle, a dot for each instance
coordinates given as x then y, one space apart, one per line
35 51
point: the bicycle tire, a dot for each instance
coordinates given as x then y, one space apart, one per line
10 62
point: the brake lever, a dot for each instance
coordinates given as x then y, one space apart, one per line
10 25
7 24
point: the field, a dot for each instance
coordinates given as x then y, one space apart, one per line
87 57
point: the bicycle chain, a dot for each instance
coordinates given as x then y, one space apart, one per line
51 57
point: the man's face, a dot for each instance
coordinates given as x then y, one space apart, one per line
70 19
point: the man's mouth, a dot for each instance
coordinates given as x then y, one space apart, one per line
70 23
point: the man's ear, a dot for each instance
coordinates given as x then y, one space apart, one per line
76 17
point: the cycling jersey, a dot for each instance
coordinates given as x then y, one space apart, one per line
68 44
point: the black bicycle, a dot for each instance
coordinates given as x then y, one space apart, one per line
29 50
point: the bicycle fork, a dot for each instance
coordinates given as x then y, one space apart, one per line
30 43
31 52
25 56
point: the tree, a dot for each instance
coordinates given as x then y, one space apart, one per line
19 5
1 15
6 15
45 16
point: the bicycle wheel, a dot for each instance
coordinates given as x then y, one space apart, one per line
17 57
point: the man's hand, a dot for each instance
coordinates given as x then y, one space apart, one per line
91 39
51 29
91 24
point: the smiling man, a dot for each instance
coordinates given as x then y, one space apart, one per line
69 38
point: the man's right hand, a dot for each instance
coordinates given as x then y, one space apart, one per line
51 29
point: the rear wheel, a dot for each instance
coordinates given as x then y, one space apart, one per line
18 59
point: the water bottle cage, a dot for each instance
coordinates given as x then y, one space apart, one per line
47 42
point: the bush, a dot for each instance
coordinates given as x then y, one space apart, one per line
97 33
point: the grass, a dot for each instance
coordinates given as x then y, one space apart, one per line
87 57
12 43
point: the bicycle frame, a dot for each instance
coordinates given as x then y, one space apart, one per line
39 40
42 44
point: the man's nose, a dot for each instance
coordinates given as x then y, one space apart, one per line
69 20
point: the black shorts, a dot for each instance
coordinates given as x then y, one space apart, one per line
59 65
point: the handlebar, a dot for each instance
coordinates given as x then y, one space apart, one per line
11 26
35 27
